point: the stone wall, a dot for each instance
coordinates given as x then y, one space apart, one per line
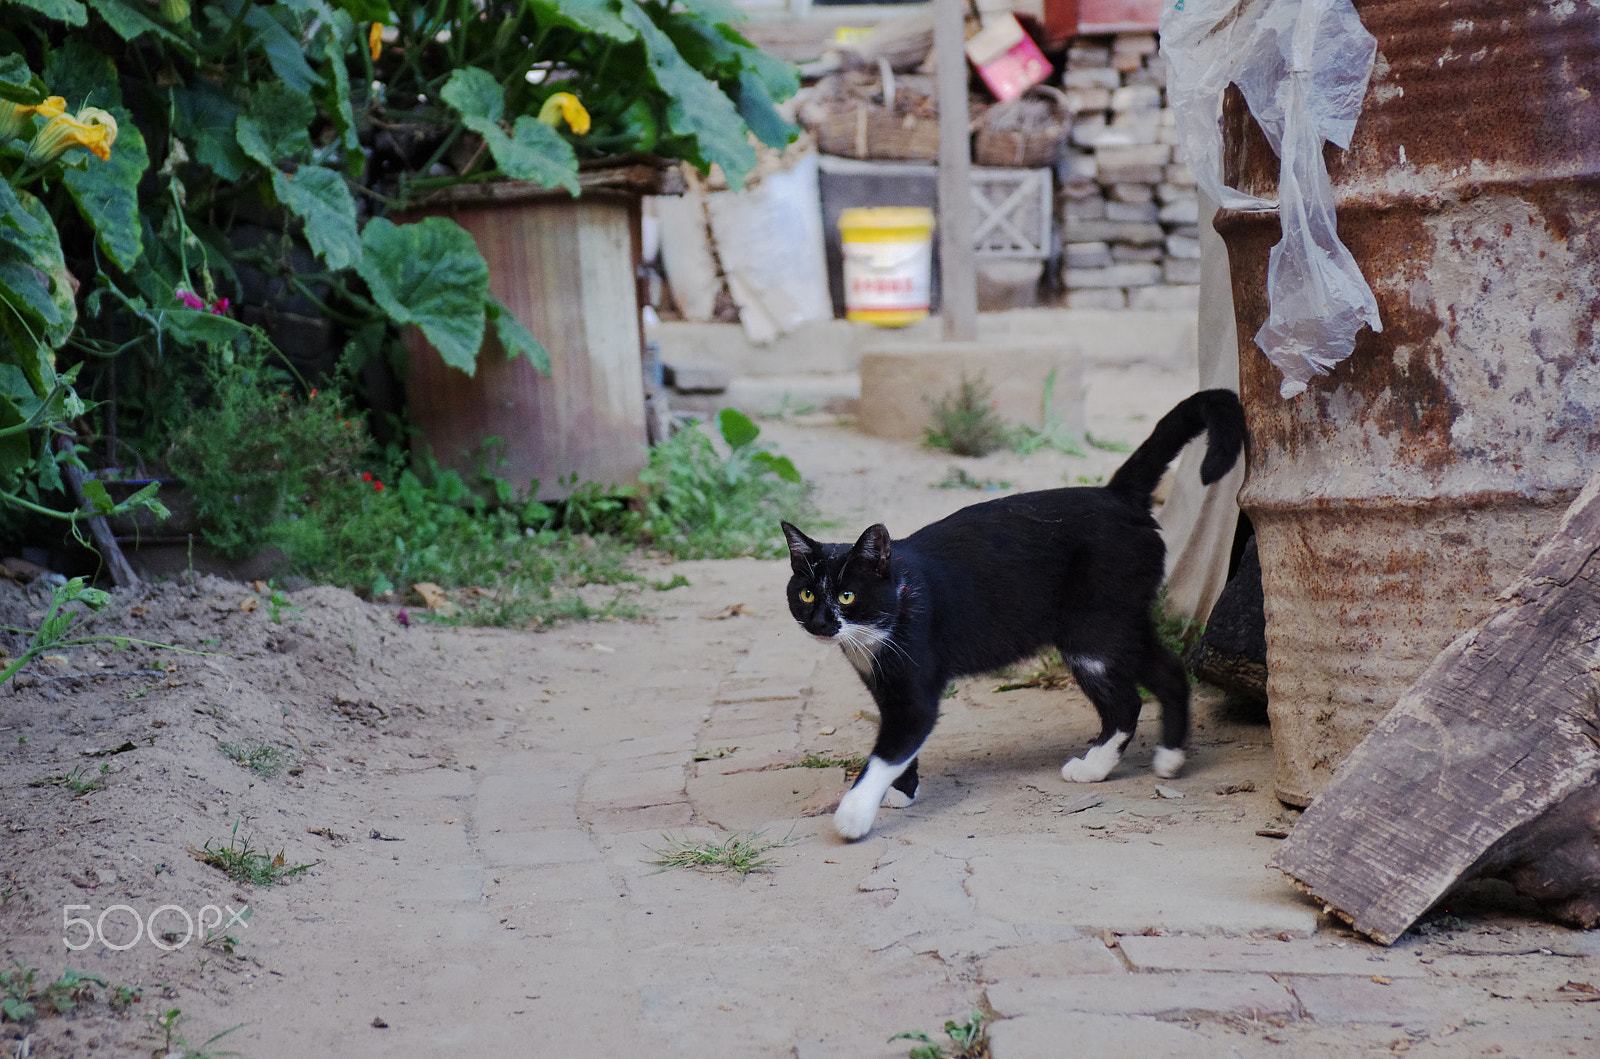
1126 205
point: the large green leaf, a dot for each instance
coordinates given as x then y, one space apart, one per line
699 109
282 49
336 101
534 151
277 126
724 11
365 10
321 198
475 93
593 16
757 110
429 274
128 21
516 339
69 11
781 78
12 213
208 120
83 74
35 285
17 401
107 193
25 289
18 83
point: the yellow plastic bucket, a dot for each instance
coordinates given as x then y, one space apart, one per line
888 263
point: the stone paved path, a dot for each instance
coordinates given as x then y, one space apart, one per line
523 916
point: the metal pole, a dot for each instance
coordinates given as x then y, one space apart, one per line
957 272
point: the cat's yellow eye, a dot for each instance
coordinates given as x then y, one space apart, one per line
806 596
847 598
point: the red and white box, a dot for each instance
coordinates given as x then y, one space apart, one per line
1007 59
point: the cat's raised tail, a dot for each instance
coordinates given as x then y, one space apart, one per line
1217 413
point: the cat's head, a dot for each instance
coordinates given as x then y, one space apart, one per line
841 591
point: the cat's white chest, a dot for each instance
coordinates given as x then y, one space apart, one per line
861 644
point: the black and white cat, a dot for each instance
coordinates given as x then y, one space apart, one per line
1074 569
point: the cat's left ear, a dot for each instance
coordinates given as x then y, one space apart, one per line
873 549
803 551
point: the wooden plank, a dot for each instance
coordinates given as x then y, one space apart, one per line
1501 728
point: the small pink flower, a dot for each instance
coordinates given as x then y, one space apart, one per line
377 486
366 476
219 307
313 392
404 619
190 299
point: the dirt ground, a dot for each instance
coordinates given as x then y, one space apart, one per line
479 812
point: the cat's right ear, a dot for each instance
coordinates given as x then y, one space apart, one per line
803 551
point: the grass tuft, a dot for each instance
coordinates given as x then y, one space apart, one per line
263 759
851 765
737 853
238 861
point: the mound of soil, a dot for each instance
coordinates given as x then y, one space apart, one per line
121 767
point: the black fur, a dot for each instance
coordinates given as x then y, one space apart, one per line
1075 569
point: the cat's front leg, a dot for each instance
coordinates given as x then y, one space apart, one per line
876 787
1097 762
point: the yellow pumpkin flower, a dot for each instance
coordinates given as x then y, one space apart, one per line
92 129
565 105
375 40
14 116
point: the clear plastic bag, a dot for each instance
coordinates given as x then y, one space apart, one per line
1303 67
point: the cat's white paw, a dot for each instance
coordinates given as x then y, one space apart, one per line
895 798
857 809
1168 762
1095 765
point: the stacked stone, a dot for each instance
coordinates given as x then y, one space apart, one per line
1127 208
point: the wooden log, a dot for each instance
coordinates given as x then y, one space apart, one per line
105 542
1469 772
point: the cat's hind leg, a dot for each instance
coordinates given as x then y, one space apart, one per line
1116 699
1166 678
903 791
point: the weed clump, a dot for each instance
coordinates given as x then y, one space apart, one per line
738 853
965 422
700 504
239 861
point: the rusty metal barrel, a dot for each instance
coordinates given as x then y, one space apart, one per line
1396 497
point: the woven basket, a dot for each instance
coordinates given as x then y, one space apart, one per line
1022 132
887 118
871 131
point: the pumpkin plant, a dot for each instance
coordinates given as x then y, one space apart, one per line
120 250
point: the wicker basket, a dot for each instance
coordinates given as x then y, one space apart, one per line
887 118
1026 132
870 131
